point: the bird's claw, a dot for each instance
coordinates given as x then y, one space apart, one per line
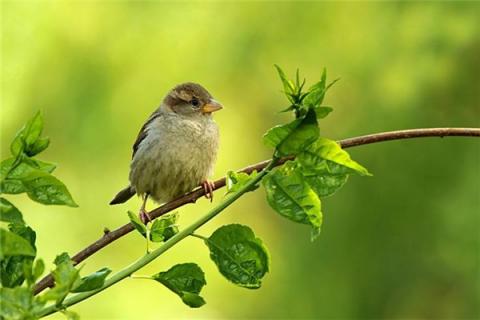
208 187
144 216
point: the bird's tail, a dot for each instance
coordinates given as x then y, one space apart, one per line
123 195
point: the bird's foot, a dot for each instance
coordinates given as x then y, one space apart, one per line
208 187
144 216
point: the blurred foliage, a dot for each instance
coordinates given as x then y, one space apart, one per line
403 244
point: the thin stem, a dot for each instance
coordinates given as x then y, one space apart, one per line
191 197
199 236
149 257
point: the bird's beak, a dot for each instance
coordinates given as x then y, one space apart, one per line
212 106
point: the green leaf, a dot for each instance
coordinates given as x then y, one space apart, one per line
288 86
316 93
12 176
19 304
65 276
322 111
274 136
239 255
236 180
70 315
47 167
92 281
15 269
26 140
137 223
313 158
164 228
40 145
12 244
192 299
295 136
325 184
38 269
291 196
61 258
9 213
186 280
25 232
46 189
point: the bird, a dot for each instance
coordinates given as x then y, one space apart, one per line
175 150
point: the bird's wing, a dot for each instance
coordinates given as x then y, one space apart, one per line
143 131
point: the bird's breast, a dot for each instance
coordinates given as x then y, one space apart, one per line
175 156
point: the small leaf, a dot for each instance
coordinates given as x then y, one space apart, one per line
92 281
313 158
164 228
61 258
316 93
139 226
38 269
27 137
12 244
40 165
288 86
40 145
70 315
65 276
9 213
192 299
236 180
19 304
291 196
46 189
239 255
25 232
322 111
186 280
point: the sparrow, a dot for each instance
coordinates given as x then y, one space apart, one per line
176 148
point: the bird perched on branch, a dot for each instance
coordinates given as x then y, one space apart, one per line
176 148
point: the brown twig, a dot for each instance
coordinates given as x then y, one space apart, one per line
192 196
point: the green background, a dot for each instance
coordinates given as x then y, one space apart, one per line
403 244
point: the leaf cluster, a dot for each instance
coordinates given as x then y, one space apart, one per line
20 267
296 189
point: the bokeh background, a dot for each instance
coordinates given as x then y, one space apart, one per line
403 244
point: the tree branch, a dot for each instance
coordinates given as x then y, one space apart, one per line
191 197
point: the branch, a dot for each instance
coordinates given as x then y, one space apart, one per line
192 196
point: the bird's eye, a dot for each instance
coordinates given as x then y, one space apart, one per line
195 102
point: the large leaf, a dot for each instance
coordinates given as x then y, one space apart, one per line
240 256
186 280
9 213
92 281
315 156
12 244
13 173
291 196
19 304
295 136
325 184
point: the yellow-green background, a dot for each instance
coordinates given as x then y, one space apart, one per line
403 244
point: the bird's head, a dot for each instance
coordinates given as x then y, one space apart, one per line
191 99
